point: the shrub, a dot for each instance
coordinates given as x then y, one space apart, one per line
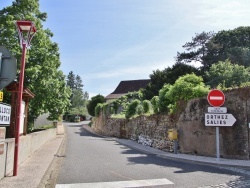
187 87
98 109
115 106
93 102
139 109
131 110
146 106
163 98
155 104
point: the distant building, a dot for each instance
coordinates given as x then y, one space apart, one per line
127 86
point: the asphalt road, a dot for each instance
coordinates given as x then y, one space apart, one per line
91 160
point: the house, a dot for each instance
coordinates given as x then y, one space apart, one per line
127 86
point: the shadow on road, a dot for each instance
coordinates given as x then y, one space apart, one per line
243 181
140 157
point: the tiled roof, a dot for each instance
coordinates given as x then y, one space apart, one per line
127 86
130 86
114 96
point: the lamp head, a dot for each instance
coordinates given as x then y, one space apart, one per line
26 31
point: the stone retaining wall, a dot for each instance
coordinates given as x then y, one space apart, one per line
193 136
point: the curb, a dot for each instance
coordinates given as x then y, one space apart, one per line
178 158
49 178
229 167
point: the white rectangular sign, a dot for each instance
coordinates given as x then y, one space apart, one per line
5 111
217 110
219 119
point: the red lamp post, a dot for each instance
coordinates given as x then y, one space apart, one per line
26 31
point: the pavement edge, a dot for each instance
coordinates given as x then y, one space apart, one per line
50 177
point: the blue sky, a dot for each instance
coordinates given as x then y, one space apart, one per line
107 41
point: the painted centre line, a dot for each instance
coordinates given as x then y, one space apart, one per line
118 184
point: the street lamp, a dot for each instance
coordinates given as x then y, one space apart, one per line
26 31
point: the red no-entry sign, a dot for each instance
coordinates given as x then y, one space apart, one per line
216 97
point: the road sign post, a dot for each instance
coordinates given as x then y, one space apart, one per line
217 143
217 116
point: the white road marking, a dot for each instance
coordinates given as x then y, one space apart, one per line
118 184
216 98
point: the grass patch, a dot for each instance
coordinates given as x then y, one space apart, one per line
42 128
118 116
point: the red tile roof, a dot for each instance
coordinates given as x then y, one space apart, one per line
127 86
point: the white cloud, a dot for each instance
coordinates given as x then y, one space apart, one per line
138 49
218 14
136 70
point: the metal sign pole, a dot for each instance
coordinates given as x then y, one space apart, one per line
218 143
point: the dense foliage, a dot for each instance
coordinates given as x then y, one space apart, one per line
185 88
98 109
79 98
131 110
167 76
42 74
93 103
227 74
197 49
155 104
163 98
209 48
146 106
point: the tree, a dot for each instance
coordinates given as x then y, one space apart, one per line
56 102
42 76
93 102
78 82
187 87
71 80
232 44
167 76
79 98
209 48
197 48
227 74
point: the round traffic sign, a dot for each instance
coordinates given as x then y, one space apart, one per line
216 97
